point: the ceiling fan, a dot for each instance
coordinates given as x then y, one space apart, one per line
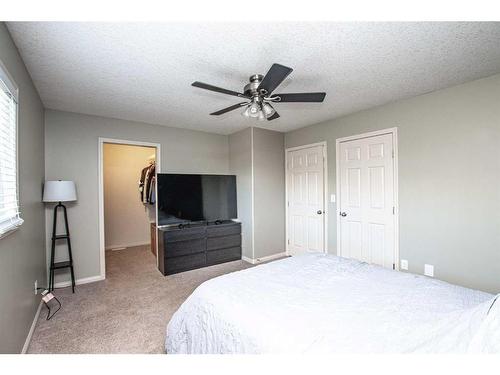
259 94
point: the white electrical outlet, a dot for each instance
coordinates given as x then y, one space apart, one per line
429 270
404 264
36 287
332 198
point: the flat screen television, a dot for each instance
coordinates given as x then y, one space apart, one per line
184 198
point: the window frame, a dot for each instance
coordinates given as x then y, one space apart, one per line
13 88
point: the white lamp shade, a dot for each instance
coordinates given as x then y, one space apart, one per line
59 191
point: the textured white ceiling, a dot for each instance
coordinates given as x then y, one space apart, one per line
143 71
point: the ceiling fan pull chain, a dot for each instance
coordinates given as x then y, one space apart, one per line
273 98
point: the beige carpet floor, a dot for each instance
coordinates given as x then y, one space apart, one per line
126 313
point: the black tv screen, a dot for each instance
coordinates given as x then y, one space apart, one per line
185 198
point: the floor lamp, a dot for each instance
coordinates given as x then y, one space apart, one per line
60 191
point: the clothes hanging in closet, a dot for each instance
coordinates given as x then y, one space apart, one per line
152 191
141 182
146 183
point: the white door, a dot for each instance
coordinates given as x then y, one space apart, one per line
367 225
306 206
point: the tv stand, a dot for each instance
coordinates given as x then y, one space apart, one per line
190 246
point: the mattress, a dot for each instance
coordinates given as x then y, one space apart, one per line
317 303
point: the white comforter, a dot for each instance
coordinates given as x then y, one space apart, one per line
319 303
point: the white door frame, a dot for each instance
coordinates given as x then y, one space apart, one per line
101 142
394 133
325 191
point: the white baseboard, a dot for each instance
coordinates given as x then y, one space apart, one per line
32 329
85 280
247 259
264 259
111 247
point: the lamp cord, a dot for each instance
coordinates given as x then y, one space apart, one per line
49 315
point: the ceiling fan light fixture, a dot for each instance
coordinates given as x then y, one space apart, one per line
268 110
254 109
262 116
246 112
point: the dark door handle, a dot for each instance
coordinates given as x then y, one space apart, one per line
319 212
343 214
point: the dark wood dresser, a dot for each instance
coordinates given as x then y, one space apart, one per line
197 246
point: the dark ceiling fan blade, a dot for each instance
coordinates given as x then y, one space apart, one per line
228 109
302 97
273 78
274 116
206 86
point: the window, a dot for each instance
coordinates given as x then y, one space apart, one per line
9 206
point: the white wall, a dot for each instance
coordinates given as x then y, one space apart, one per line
449 177
126 218
71 152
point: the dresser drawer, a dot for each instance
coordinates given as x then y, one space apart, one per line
184 234
214 243
178 248
223 255
185 263
223 230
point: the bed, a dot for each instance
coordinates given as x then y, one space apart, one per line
319 304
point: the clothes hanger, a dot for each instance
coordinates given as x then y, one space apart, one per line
151 160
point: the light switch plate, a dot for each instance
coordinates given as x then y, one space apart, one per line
429 270
332 198
404 264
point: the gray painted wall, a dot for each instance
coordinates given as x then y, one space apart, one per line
22 253
449 178
72 153
256 156
240 164
269 192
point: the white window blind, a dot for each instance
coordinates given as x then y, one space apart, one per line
9 205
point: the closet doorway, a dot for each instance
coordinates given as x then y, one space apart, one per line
127 201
